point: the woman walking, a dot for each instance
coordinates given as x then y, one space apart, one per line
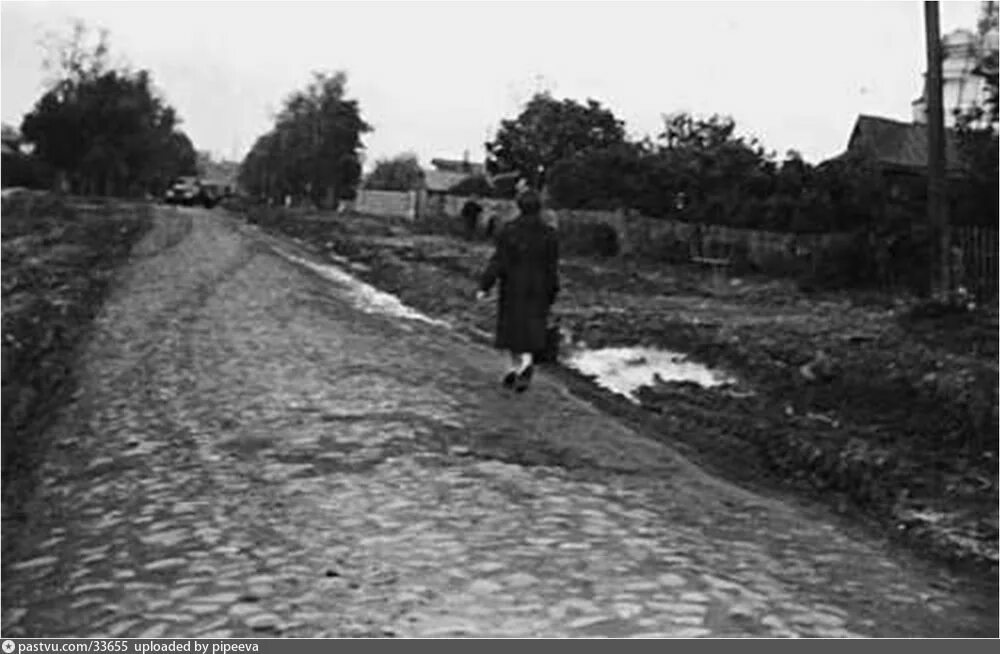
526 265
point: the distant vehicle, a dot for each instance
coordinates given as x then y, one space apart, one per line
191 191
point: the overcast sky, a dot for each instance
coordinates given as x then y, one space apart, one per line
434 78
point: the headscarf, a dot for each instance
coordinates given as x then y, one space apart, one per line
529 203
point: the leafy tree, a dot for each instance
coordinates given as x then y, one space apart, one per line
11 137
687 132
978 140
978 193
401 173
20 168
548 131
314 149
105 129
607 178
987 66
698 170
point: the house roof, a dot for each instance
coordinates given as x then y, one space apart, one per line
901 145
441 180
458 166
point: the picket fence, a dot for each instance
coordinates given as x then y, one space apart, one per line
976 268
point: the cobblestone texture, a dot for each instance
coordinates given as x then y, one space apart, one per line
252 454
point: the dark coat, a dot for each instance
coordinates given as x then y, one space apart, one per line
526 264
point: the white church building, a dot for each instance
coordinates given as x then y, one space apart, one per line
962 75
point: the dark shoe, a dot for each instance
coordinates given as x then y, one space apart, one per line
509 379
524 379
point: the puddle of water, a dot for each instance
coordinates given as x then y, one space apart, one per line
11 191
364 296
624 370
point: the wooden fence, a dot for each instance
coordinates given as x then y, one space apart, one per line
398 204
975 248
975 267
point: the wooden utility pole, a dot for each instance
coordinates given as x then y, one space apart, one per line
937 193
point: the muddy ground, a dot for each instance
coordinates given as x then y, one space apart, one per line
885 414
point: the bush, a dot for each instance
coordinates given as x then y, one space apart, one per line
598 180
588 239
401 173
29 172
605 241
699 171
841 265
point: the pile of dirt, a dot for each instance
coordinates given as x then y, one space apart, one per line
59 256
858 403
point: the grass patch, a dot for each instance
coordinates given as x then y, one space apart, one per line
59 257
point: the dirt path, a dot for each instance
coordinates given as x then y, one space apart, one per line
258 449
892 427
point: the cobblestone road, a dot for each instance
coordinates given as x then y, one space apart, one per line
253 453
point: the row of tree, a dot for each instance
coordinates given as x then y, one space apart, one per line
697 169
99 128
314 149
700 170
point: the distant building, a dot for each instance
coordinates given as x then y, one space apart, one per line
901 148
449 173
442 181
445 175
463 166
